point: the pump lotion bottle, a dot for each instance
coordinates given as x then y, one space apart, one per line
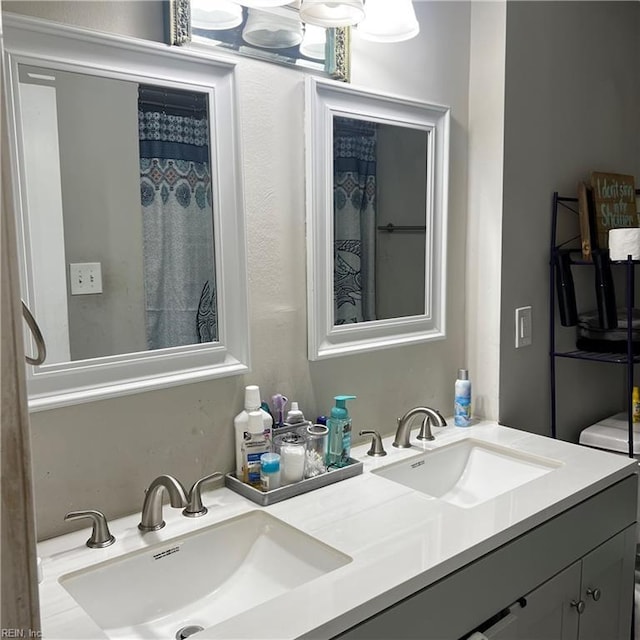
462 404
339 424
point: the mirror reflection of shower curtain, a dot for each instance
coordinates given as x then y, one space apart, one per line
354 195
175 186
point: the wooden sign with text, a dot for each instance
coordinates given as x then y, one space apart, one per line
614 204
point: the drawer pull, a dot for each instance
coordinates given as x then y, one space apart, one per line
578 605
594 593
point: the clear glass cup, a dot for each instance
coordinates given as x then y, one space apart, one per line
316 436
292 449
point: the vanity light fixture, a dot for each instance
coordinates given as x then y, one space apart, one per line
257 4
378 20
327 13
272 30
222 14
387 21
314 42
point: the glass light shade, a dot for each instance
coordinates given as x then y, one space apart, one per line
272 29
257 4
387 21
314 42
219 14
325 13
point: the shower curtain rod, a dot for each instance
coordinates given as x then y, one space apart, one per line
392 227
172 98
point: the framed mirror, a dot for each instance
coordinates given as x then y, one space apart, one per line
377 185
126 176
273 34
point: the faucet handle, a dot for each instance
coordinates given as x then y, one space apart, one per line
376 449
194 507
100 535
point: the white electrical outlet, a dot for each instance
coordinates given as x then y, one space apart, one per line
85 278
523 327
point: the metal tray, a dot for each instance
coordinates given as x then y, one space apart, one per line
265 498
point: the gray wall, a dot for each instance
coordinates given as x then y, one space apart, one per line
401 200
100 175
572 106
104 454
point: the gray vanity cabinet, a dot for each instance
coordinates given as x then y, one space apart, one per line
589 600
573 573
547 612
607 588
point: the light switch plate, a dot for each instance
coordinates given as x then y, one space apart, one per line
85 278
523 327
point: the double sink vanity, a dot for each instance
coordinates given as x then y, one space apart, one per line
484 528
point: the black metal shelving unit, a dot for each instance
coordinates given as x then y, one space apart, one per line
570 205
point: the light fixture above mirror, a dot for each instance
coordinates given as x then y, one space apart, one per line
267 31
328 13
259 4
307 34
377 20
386 21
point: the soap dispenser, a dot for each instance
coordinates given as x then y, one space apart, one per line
339 424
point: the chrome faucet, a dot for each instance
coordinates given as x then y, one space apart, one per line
403 432
152 508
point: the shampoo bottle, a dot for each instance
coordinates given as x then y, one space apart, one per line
241 422
339 424
635 405
253 446
462 406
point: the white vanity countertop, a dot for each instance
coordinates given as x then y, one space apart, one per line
400 540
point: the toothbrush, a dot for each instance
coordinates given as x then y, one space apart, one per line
279 401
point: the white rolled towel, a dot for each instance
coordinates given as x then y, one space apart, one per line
624 242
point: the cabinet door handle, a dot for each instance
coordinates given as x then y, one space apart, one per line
594 593
578 605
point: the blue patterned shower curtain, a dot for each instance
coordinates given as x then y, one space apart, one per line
175 185
354 195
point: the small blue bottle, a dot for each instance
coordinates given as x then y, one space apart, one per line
462 405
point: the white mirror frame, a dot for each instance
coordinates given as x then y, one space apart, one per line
42 43
324 100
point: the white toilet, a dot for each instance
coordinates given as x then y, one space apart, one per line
611 434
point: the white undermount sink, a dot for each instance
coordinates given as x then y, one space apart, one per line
468 472
200 579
